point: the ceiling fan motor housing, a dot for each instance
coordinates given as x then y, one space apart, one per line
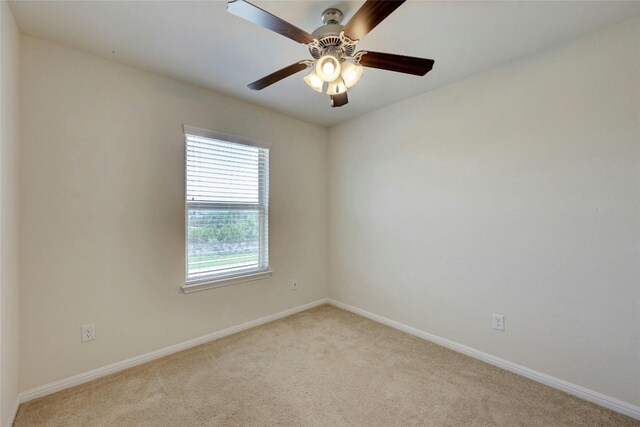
329 36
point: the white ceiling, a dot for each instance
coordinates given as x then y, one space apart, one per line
199 42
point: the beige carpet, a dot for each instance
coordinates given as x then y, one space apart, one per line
323 367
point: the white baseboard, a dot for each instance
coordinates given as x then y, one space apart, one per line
84 377
14 412
576 390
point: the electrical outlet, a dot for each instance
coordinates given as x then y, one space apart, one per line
88 332
294 284
498 322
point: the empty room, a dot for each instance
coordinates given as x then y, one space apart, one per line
319 213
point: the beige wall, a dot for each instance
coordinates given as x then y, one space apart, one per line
9 136
102 229
516 191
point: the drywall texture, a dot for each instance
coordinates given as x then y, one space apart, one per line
9 137
515 191
102 230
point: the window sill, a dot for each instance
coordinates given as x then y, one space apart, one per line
201 286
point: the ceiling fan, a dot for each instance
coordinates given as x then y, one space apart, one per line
332 47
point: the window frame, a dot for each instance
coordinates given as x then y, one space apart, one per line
192 285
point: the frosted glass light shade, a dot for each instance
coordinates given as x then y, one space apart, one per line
351 73
314 81
328 68
336 87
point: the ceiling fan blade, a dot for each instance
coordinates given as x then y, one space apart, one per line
398 63
259 16
339 100
277 76
368 16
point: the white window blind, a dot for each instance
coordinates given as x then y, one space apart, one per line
227 207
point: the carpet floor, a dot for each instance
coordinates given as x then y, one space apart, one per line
321 367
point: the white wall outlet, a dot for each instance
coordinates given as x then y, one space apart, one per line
498 322
88 332
294 284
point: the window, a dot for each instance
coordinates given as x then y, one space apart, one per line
227 209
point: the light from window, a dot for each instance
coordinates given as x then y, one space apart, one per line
227 205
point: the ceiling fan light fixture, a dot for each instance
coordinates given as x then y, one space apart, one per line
328 68
337 87
314 81
351 73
